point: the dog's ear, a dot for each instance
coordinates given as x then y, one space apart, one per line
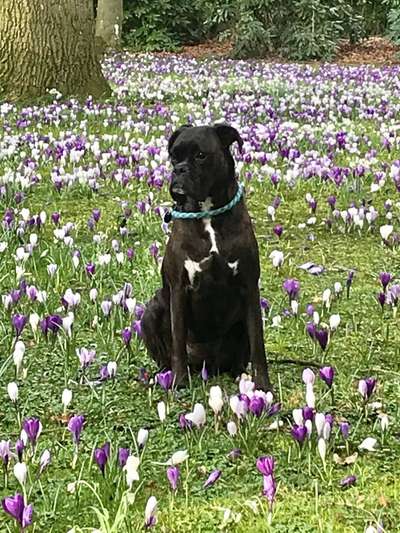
176 134
228 135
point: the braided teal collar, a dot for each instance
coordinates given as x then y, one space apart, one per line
208 213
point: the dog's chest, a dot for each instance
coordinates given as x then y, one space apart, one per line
215 267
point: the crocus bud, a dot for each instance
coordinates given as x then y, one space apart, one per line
142 436
112 368
322 449
178 457
215 401
308 376
334 321
232 428
131 469
327 374
326 297
93 295
66 397
162 411
34 320
173 476
212 478
310 396
20 472
298 416
12 389
45 459
319 423
337 288
150 518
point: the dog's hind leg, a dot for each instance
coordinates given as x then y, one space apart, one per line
156 328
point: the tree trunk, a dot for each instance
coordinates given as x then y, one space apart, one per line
46 44
109 22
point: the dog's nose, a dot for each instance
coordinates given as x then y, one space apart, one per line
181 168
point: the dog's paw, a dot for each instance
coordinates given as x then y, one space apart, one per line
262 382
181 379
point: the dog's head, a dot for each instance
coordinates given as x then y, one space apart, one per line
201 160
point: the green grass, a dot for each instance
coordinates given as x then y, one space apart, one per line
309 498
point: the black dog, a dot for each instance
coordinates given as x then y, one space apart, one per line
208 309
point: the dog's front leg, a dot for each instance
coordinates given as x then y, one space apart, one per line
256 338
179 334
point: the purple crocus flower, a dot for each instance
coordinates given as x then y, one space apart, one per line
264 304
33 428
15 507
308 413
273 409
311 329
184 423
51 323
165 379
381 297
96 214
19 321
19 449
212 478
204 372
104 374
137 327
123 454
55 217
101 456
327 374
126 335
310 309
90 269
5 452
366 387
348 481
234 454
278 230
266 465
269 489
153 249
292 287
130 254
299 433
75 426
256 405
322 337
173 474
385 278
331 201
344 429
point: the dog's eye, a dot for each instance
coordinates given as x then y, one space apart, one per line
201 155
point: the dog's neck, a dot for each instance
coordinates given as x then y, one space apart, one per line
220 196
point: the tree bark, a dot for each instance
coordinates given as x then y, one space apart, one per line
109 22
46 44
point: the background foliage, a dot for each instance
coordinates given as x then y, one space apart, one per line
296 29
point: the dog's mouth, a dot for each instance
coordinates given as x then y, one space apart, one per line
178 195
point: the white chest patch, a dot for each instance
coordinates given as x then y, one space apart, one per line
213 236
234 266
207 206
192 268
